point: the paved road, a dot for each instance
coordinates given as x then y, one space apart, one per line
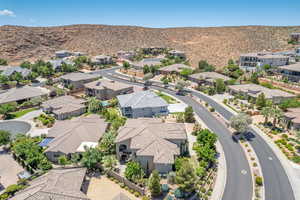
277 184
238 184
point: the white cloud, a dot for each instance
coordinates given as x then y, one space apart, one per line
6 12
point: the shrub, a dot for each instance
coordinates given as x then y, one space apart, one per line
212 109
12 189
259 181
296 159
136 194
4 196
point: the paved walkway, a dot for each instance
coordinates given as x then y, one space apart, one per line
29 117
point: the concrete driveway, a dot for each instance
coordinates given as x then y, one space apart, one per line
9 169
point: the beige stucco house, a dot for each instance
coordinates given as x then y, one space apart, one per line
151 142
71 136
64 107
106 89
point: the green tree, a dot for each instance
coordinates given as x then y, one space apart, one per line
186 72
276 114
75 158
179 162
254 78
154 184
146 69
62 160
240 122
91 158
261 101
5 109
266 112
204 66
220 86
107 144
28 149
205 136
126 65
134 171
94 105
3 61
231 62
189 115
3 79
5 137
266 67
186 178
26 64
17 76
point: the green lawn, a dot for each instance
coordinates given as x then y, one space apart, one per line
167 98
20 113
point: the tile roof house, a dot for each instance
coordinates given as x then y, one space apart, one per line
63 54
78 79
292 118
70 136
207 77
292 72
147 61
175 68
106 89
10 70
142 104
253 90
151 142
102 60
177 53
57 184
64 107
22 94
56 64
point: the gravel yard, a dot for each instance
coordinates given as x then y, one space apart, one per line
9 169
105 189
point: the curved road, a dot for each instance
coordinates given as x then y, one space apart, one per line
239 184
276 182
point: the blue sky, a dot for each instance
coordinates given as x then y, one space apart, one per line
150 13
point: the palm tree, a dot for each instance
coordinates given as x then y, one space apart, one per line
266 112
277 115
94 105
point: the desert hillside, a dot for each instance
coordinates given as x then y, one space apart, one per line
216 44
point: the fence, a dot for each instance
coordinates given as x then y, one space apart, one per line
127 182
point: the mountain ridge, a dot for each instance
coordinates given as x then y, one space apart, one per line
214 44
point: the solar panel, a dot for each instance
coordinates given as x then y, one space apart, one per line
45 142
